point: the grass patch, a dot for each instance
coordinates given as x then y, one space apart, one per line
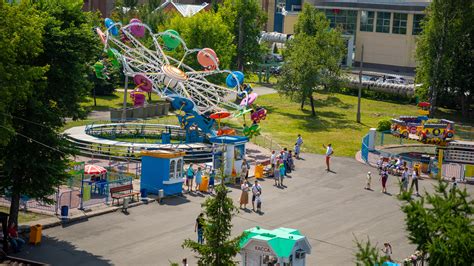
25 217
335 121
105 102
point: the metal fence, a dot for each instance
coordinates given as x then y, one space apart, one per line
365 148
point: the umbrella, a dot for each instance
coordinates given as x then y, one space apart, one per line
91 169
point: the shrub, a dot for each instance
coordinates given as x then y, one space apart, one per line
384 125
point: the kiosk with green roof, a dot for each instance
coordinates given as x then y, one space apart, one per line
281 246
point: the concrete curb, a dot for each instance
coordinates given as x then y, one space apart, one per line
25 228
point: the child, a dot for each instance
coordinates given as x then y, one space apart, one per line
282 172
369 179
258 199
212 178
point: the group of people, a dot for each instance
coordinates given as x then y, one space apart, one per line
256 190
395 167
13 238
196 175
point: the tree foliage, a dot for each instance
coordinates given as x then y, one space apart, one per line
245 20
20 42
445 54
440 224
62 44
205 29
367 254
218 249
312 57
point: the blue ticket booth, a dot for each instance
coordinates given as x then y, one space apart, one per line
162 169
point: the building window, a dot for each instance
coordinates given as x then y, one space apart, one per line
367 21
417 19
383 22
346 19
172 169
399 23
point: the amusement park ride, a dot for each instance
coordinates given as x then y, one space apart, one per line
197 101
420 128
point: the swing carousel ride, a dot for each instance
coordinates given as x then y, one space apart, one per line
157 63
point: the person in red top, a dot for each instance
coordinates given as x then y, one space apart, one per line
16 241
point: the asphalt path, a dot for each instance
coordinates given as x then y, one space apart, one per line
330 208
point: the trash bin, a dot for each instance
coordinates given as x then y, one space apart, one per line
259 171
64 211
165 138
204 184
161 195
35 234
144 192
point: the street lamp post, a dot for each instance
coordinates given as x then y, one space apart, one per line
360 84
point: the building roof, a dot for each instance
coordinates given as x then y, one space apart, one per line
281 240
186 10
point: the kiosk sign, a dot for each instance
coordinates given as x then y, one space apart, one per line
262 249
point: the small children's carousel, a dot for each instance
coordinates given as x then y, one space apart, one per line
281 246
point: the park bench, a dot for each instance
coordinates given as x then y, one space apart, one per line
116 193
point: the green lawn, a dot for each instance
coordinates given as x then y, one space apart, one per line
334 122
113 101
25 217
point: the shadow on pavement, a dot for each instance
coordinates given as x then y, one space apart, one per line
57 252
173 201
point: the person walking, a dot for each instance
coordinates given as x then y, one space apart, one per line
284 157
282 172
198 227
272 162
387 251
291 162
198 178
212 180
258 199
244 195
256 190
454 184
245 170
276 172
414 181
404 180
190 177
329 153
299 142
384 178
369 180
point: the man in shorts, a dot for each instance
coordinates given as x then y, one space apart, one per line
256 190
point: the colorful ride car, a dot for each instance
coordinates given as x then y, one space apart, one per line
406 125
442 130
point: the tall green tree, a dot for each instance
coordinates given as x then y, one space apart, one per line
218 248
445 54
151 15
441 225
21 35
246 20
368 254
312 57
35 158
205 29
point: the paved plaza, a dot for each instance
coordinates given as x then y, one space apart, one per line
329 208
